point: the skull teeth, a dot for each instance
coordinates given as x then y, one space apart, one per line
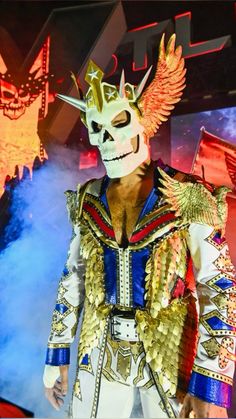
119 157
122 156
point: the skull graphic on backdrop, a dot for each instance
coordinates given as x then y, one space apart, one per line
121 120
15 96
24 98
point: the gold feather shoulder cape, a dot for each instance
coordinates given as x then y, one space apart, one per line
193 202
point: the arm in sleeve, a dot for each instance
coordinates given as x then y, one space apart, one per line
65 317
213 369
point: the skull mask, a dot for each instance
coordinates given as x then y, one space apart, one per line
113 122
118 134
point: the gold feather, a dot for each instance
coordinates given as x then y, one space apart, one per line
158 100
194 203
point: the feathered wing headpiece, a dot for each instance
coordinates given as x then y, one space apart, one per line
155 103
166 89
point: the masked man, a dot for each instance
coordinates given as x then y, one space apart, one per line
147 323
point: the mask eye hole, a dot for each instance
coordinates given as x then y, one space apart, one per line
96 127
8 95
121 120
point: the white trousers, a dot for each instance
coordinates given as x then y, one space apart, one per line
113 394
117 401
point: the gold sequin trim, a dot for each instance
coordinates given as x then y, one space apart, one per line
218 332
210 240
149 384
224 263
77 390
99 371
212 282
123 352
225 354
211 374
212 347
58 345
100 235
96 202
164 403
107 369
148 218
124 364
140 375
87 367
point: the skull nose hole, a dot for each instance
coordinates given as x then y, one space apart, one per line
107 136
15 100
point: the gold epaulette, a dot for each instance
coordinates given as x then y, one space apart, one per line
75 201
194 203
72 199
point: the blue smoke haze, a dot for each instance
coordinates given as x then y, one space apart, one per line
30 269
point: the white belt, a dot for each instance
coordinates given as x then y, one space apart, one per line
123 329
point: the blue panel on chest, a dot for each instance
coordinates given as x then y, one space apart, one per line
110 274
138 261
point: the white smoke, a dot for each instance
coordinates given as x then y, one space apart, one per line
30 269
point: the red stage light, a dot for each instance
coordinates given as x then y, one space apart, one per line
192 45
88 159
208 51
140 28
115 66
184 14
140 68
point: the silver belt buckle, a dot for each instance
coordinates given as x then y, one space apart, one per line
123 328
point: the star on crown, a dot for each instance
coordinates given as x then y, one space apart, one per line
110 94
93 74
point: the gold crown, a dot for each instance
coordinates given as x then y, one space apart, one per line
101 92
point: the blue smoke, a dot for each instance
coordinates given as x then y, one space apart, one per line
30 269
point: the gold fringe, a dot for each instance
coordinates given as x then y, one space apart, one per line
95 311
160 327
161 338
167 261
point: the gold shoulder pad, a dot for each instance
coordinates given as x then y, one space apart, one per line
72 201
194 203
75 201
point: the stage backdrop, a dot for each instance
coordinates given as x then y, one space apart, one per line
208 140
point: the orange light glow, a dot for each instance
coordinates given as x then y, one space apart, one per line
20 143
21 107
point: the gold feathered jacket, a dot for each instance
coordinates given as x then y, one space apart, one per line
180 279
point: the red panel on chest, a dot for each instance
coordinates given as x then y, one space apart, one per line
94 213
140 235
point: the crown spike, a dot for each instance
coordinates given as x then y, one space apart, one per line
139 89
77 103
93 77
122 84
